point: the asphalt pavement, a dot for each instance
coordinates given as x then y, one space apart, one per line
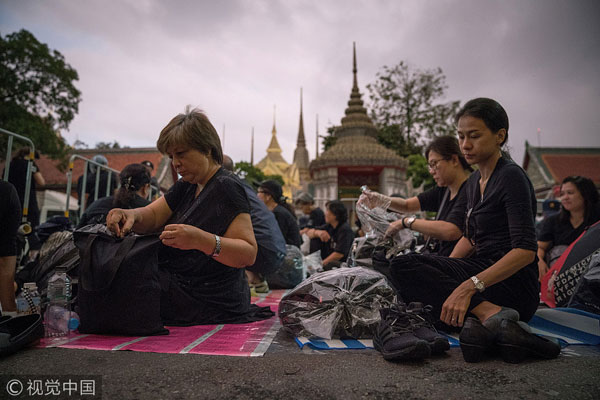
287 372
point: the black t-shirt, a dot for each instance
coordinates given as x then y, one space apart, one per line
10 218
341 240
453 212
98 211
505 218
17 176
220 291
288 225
558 232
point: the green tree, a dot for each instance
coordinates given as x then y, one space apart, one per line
253 175
108 145
418 172
406 107
329 139
37 93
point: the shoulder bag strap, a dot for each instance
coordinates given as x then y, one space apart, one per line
437 216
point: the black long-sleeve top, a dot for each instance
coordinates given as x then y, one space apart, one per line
504 219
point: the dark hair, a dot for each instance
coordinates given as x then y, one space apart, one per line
228 163
490 112
589 193
191 129
338 209
133 177
447 146
273 188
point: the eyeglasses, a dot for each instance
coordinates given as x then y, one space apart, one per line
433 164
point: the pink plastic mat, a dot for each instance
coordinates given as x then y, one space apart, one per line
246 340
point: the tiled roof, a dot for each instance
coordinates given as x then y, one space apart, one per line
117 159
559 162
358 151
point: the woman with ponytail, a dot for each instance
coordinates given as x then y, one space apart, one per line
271 194
133 193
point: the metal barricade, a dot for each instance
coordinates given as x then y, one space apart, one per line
27 194
84 181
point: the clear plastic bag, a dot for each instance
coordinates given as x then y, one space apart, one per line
291 272
376 221
313 263
341 303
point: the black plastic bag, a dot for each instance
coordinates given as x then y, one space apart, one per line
341 303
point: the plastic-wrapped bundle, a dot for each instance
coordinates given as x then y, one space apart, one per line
291 272
341 303
376 221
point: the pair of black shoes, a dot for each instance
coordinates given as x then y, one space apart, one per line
406 333
19 332
512 339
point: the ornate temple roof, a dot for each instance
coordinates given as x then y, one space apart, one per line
273 152
301 159
356 138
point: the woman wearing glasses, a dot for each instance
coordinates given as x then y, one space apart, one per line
579 209
450 170
492 273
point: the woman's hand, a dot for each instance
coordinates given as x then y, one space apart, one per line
120 221
181 236
372 200
394 228
455 307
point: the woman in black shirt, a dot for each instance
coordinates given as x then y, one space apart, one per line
206 230
579 209
493 268
450 170
271 194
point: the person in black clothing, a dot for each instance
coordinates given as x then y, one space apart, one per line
492 270
313 217
271 194
10 219
90 185
133 193
580 208
154 186
17 176
450 171
206 230
336 236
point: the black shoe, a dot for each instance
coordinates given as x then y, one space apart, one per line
476 341
20 331
394 337
423 328
517 342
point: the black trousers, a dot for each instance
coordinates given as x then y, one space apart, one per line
430 279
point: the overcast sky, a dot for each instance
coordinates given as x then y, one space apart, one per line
141 61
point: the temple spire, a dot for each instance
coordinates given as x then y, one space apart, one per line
274 145
354 69
301 142
317 138
274 130
252 148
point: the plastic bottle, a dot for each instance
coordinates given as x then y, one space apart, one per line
28 301
60 321
59 296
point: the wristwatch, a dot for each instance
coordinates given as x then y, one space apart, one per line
479 285
407 222
217 250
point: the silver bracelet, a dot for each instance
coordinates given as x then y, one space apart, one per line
217 250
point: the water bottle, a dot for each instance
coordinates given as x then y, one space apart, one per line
28 301
60 321
59 296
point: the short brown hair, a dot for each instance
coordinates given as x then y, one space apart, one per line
191 129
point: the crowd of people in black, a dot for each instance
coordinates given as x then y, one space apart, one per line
479 272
